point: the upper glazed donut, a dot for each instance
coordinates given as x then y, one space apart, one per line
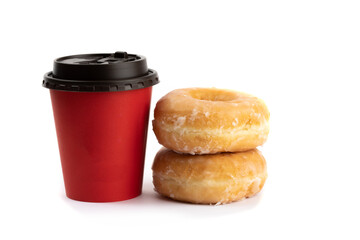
210 120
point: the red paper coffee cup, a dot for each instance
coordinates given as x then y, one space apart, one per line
101 108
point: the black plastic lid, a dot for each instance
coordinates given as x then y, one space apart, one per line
103 72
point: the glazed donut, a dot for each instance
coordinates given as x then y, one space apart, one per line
210 120
209 179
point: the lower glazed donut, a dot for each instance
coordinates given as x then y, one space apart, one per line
210 120
209 179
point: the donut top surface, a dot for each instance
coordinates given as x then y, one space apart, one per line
208 107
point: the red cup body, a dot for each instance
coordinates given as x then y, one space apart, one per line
102 142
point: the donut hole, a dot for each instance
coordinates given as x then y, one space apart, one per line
213 95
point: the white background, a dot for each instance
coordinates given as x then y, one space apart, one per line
301 57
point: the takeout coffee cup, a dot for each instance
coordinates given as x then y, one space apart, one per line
101 108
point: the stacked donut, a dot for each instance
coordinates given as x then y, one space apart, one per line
210 137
